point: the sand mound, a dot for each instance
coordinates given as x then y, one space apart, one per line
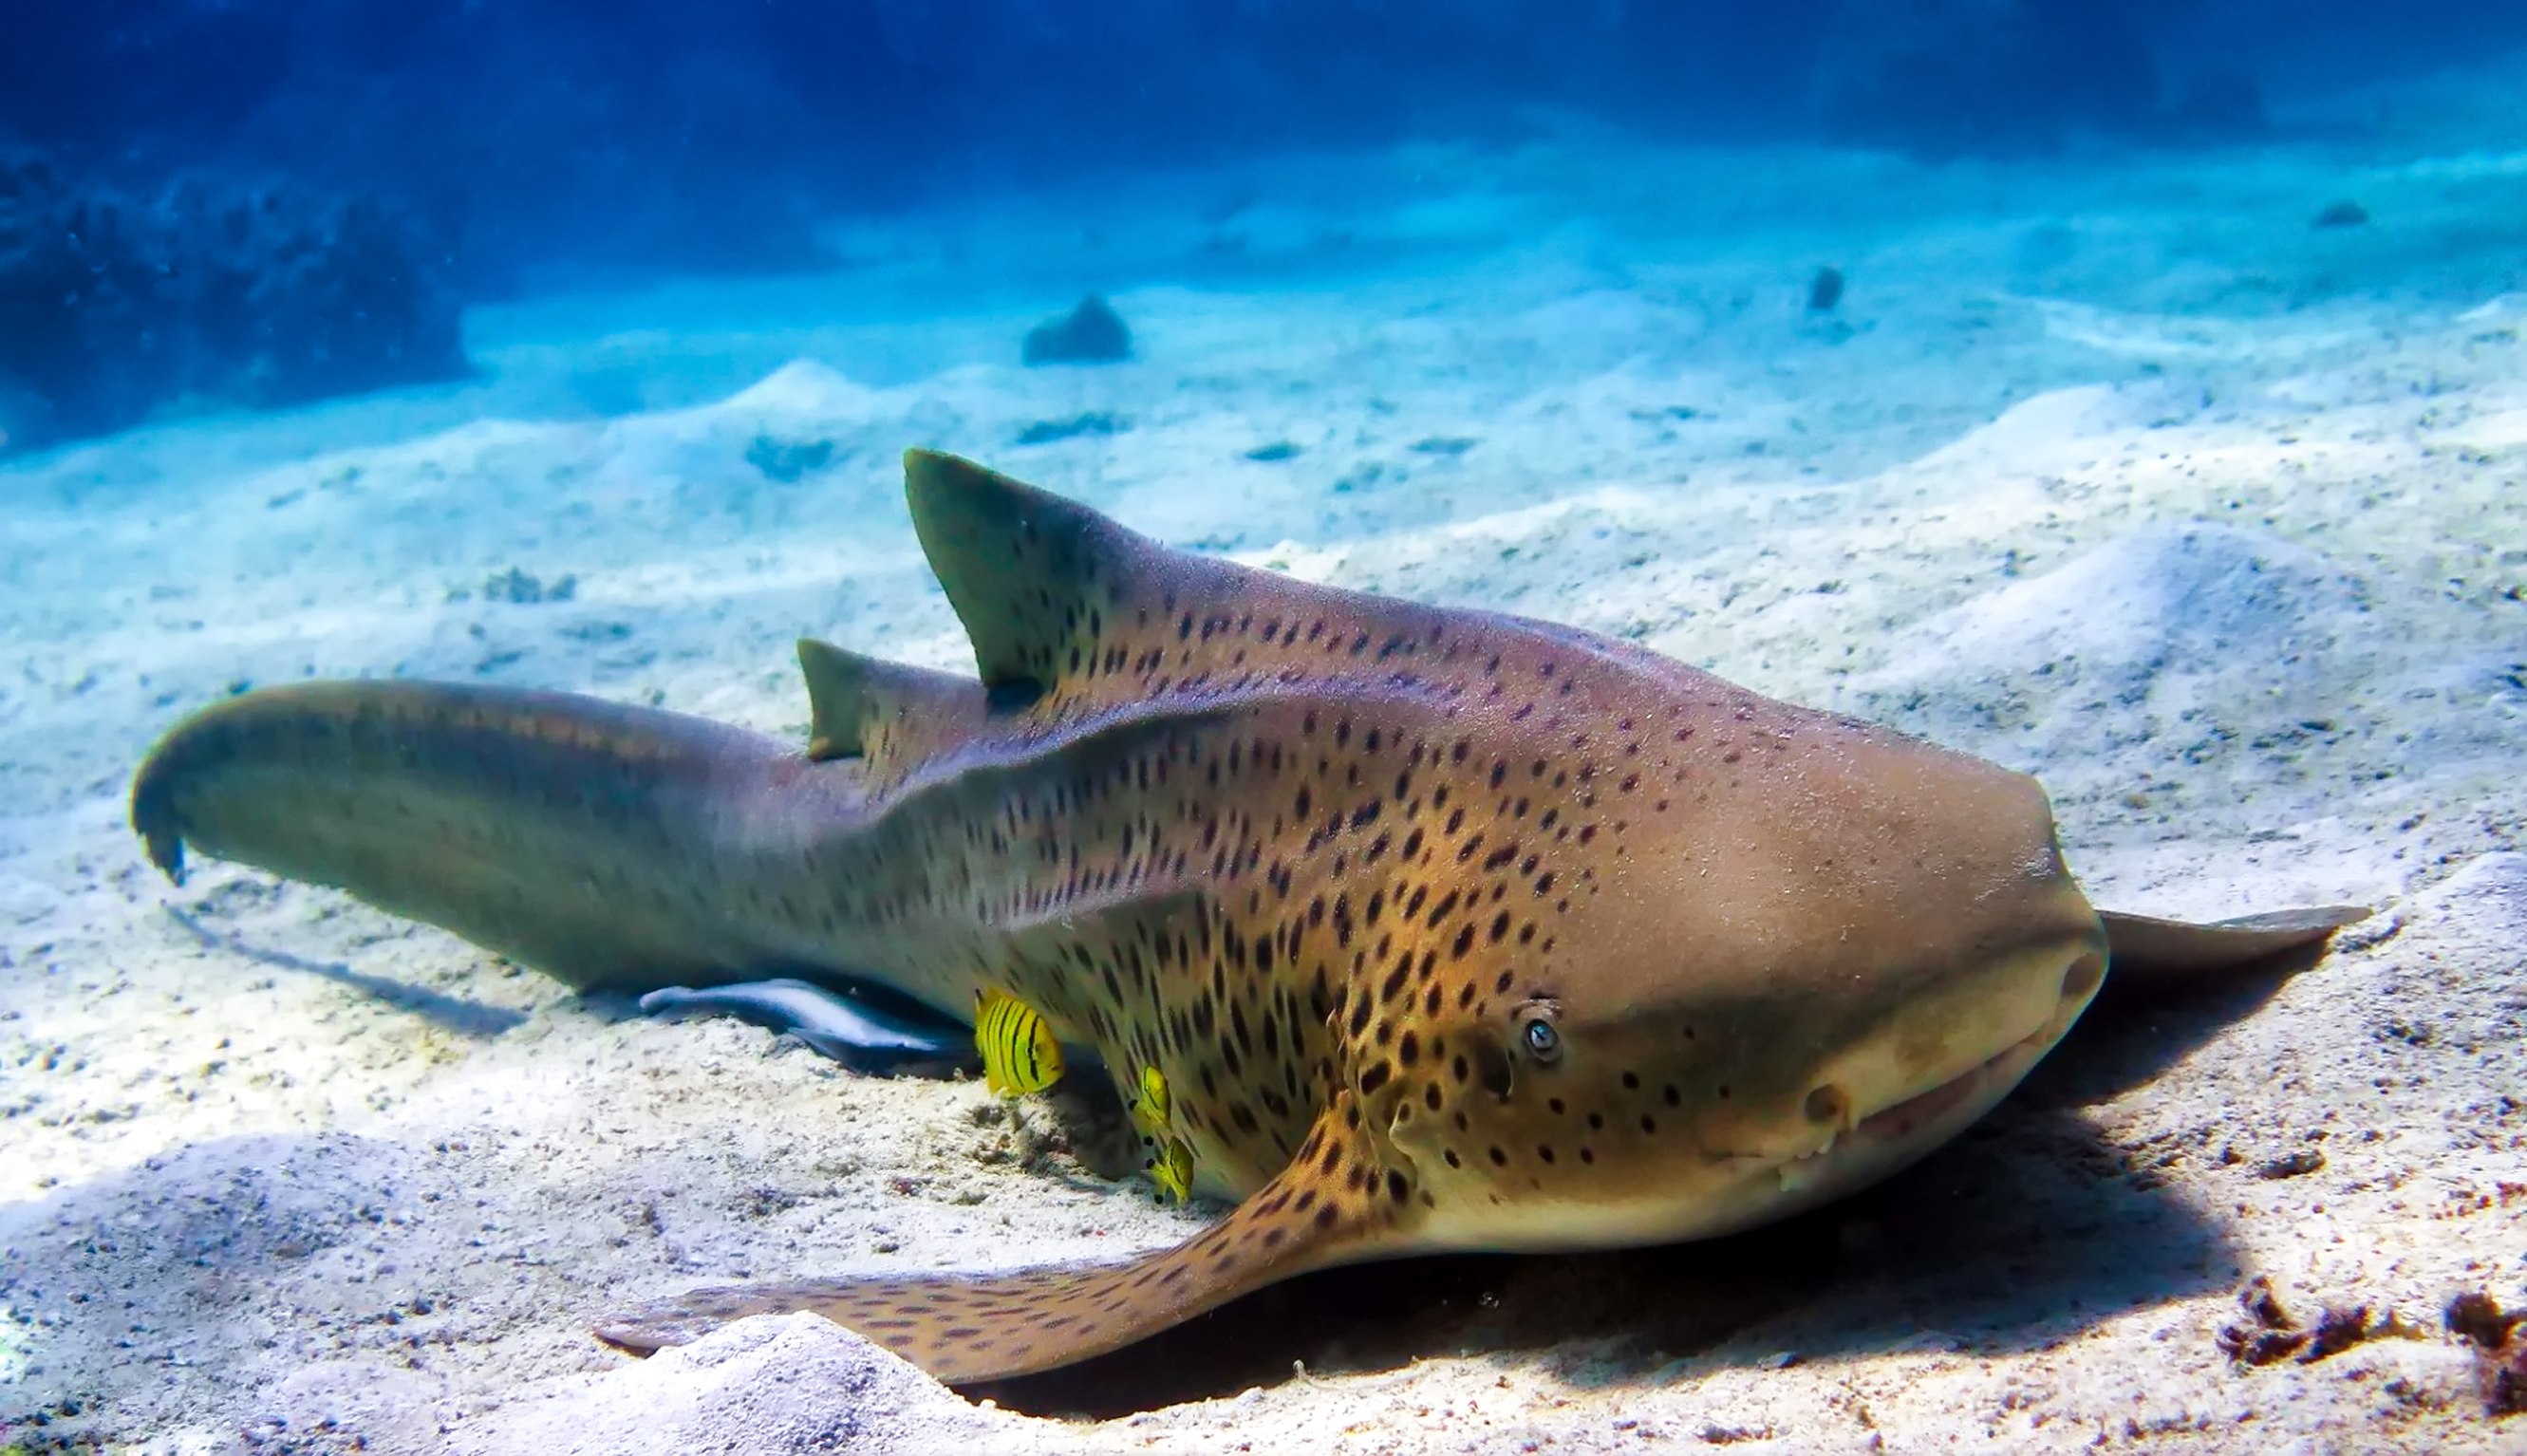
2191 639
781 1383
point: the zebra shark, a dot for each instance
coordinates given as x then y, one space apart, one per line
1448 930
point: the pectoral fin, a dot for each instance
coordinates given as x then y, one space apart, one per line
2148 950
1332 1205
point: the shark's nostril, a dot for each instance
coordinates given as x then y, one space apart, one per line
2082 979
1830 1103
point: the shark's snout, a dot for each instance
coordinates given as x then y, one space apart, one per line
1948 1035
1858 1140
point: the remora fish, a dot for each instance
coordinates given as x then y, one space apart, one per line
860 1034
1445 930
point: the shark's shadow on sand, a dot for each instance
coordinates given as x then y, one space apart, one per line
460 1015
2019 1235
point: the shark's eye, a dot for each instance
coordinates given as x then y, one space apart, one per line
1543 1043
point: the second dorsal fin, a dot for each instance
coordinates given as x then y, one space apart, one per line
886 712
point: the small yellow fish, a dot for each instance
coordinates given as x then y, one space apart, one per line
1150 1107
1172 1171
1019 1054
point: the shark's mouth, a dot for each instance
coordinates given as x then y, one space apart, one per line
1913 1114
1895 1135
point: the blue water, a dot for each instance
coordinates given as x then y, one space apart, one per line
184 174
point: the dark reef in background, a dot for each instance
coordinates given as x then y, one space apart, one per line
577 137
1951 77
113 307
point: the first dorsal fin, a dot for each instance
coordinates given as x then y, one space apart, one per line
1028 571
886 712
1063 603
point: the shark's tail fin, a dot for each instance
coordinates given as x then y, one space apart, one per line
577 836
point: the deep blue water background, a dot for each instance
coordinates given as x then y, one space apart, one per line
319 187
672 133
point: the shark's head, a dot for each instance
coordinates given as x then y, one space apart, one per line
1819 953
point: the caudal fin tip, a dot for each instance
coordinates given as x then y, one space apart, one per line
639 1341
166 849
646 1329
155 821
642 1335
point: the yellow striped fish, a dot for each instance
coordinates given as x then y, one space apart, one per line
1150 1108
1171 1168
1170 1161
1019 1054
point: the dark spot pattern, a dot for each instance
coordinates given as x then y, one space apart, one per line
1231 842
1304 852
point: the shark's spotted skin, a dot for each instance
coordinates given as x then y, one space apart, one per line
1441 929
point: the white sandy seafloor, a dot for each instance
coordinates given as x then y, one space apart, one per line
2113 469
